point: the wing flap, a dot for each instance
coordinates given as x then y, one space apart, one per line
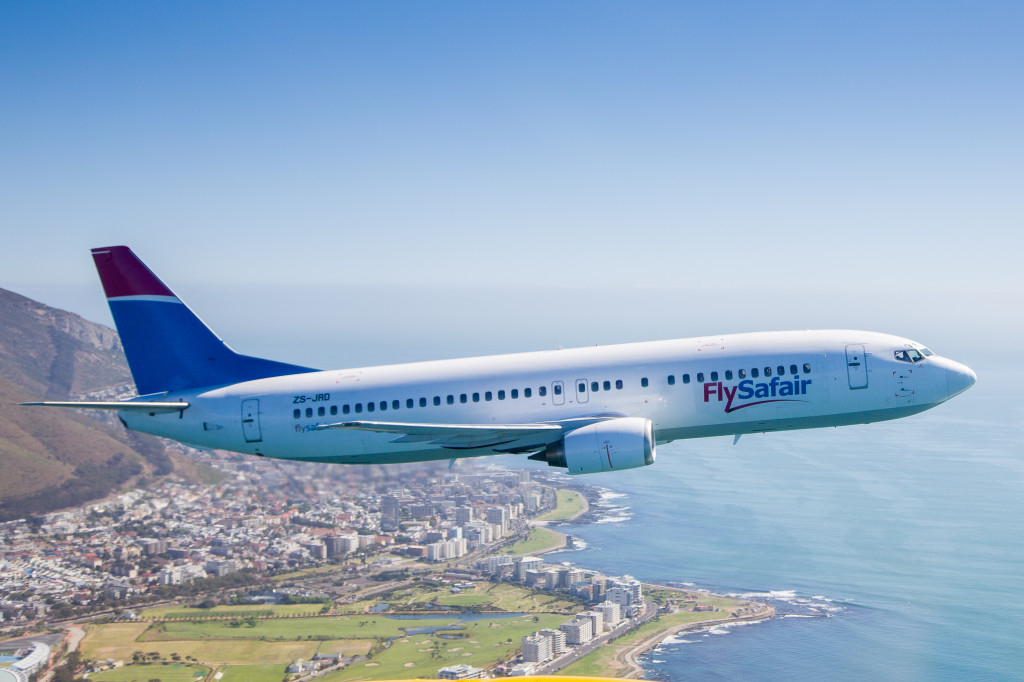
460 436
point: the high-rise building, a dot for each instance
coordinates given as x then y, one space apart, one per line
612 613
527 563
537 648
557 637
577 631
390 512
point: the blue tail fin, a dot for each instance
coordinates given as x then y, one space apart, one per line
167 346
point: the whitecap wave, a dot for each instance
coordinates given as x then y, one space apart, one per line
614 519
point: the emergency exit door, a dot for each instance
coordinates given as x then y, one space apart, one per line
856 366
251 420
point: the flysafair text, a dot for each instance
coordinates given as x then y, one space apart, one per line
773 391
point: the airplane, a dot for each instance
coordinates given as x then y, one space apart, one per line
588 410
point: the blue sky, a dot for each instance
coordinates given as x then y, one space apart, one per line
348 183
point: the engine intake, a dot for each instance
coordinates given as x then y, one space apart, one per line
623 443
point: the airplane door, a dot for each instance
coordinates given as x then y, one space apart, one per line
251 420
582 394
557 393
856 366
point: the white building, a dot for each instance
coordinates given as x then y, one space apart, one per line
537 648
577 631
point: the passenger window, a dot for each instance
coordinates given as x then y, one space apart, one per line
395 404
514 393
686 378
781 370
700 377
728 375
767 371
792 369
558 389
410 403
320 412
334 410
671 379
383 406
423 402
450 400
807 368
359 408
618 383
582 387
345 409
501 394
643 382
594 386
542 391
754 373
527 392
370 407
607 385
487 395
476 397
714 376
309 413
463 398
437 400
742 373
296 413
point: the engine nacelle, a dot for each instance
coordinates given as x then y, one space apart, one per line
624 443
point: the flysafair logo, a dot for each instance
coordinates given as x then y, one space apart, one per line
774 391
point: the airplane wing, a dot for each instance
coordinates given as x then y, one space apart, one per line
514 437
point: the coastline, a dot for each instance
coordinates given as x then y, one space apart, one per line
623 662
627 658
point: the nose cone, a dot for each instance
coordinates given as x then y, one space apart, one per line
959 378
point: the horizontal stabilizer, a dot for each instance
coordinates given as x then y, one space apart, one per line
152 408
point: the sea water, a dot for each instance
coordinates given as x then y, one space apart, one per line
905 537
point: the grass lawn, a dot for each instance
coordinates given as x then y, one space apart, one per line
306 572
175 672
119 641
235 611
539 539
356 626
485 642
254 673
570 503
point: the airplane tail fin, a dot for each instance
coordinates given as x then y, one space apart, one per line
168 347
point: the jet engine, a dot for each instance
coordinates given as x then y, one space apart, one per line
623 443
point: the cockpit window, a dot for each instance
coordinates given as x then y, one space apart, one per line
909 355
925 352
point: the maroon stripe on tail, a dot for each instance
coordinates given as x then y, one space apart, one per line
123 274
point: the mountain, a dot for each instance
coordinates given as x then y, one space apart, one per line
52 458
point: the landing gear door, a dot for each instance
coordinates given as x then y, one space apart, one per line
856 366
251 420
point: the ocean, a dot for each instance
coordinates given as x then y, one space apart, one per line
892 551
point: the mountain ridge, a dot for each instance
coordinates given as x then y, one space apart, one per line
51 458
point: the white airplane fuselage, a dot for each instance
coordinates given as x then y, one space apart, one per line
687 388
